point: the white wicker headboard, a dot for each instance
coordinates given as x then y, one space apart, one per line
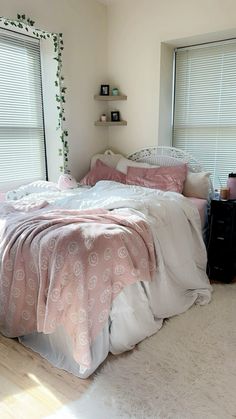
166 156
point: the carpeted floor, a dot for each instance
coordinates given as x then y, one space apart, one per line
186 371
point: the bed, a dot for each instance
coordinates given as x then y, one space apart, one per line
97 268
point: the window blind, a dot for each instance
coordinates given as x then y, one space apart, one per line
22 146
204 122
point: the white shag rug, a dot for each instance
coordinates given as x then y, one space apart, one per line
186 371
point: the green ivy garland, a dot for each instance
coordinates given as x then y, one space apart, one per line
24 22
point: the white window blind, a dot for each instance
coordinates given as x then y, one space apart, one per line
205 106
22 146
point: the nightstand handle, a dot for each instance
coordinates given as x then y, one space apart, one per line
218 268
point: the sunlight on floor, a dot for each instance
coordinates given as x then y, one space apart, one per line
30 387
35 401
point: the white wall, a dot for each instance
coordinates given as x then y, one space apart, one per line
136 29
84 27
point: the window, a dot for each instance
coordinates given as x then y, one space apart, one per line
22 145
205 106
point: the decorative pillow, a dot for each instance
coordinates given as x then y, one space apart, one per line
197 185
169 178
101 171
66 181
108 158
124 163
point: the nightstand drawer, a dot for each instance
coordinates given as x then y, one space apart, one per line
222 225
220 239
222 209
219 272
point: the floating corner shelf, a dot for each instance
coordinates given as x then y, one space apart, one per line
110 97
107 98
110 123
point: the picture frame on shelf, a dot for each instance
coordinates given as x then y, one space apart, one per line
115 116
104 90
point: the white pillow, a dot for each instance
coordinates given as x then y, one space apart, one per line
36 186
124 163
109 159
197 185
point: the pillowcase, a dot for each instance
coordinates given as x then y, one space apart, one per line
197 185
101 171
168 178
124 163
110 159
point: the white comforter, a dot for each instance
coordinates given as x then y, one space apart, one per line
177 234
181 277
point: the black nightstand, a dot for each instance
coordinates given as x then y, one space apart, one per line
221 247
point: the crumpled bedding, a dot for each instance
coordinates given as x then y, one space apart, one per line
65 267
181 279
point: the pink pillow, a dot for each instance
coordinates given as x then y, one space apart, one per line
101 171
168 178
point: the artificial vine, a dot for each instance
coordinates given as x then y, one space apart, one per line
24 22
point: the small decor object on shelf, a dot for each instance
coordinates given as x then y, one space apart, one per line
115 116
115 91
103 117
104 90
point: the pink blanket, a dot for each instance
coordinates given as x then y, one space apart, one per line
65 267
